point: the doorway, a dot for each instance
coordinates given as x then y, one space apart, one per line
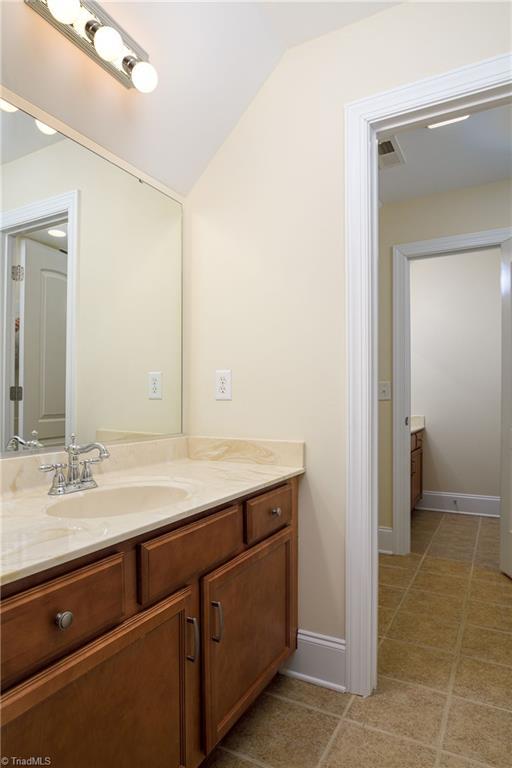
464 487
38 255
470 88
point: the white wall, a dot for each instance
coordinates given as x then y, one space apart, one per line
129 286
457 212
264 266
456 369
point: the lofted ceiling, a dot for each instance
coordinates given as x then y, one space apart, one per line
211 57
475 151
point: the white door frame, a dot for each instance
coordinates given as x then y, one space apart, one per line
506 409
473 87
402 257
34 216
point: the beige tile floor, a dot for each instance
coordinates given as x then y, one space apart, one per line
445 670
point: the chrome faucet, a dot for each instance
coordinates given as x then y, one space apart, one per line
78 474
16 442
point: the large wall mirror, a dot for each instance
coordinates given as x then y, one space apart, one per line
91 295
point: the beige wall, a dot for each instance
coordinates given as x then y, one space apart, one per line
264 266
129 286
456 369
451 213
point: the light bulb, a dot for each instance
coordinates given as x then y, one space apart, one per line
6 107
45 128
65 11
144 77
79 23
108 43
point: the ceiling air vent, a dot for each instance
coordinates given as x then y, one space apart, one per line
390 153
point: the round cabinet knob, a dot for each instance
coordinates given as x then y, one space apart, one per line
277 512
64 619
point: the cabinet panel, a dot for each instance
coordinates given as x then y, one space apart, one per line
416 476
119 700
267 513
168 562
247 617
195 750
30 635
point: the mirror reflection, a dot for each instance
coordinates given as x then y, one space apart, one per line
90 299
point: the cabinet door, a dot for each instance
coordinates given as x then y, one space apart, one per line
416 476
247 611
118 701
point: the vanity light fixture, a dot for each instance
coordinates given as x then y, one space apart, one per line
45 128
448 122
92 29
6 107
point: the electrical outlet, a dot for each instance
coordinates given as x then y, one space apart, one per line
155 385
384 390
223 385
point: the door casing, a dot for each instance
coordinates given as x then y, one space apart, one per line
472 88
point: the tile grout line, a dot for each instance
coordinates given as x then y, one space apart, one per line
334 735
397 736
406 591
303 704
243 756
439 691
457 653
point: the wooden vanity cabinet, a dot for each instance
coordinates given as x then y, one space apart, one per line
206 613
118 701
246 630
416 468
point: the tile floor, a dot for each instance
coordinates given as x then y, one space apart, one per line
445 670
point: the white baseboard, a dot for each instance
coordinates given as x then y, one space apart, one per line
386 540
319 659
464 503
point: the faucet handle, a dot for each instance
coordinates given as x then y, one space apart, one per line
86 473
35 442
59 481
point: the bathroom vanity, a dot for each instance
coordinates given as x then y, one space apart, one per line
417 436
147 651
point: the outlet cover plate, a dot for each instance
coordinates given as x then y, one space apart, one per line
384 390
155 385
223 384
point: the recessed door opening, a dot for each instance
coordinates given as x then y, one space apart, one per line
36 373
439 196
441 468
38 257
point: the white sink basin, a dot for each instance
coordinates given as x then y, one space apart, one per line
113 502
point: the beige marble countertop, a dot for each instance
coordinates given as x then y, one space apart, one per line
208 471
417 424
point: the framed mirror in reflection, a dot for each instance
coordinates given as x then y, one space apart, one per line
90 296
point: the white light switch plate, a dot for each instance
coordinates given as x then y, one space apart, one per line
155 385
223 385
384 390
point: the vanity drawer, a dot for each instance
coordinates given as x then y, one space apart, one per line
170 561
267 513
31 637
